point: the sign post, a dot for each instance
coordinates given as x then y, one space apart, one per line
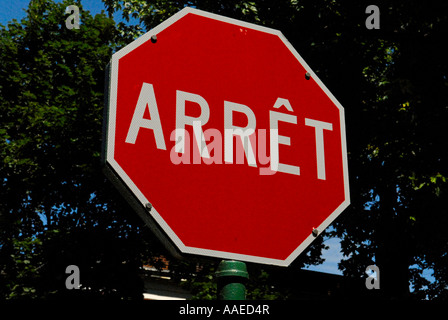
232 277
211 114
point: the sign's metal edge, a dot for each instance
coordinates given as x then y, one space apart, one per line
116 180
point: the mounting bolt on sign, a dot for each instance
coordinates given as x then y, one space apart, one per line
212 121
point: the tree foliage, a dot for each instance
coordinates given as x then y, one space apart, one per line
56 207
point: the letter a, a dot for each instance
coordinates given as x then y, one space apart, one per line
373 279
146 98
373 21
72 281
73 17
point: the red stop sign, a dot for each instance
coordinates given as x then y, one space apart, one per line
225 141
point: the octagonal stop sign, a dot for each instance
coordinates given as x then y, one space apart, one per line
224 140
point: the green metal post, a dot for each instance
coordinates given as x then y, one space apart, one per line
232 276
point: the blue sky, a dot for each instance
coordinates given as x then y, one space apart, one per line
12 10
332 257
